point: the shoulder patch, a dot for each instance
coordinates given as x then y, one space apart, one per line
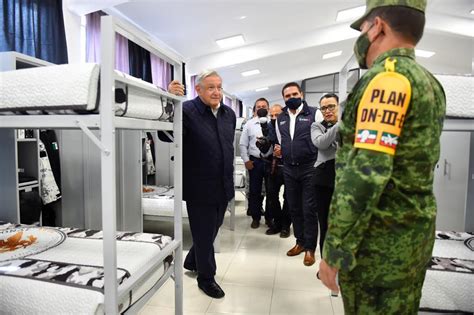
381 112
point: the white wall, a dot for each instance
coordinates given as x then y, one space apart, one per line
72 24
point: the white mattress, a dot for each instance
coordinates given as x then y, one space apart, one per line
28 296
73 87
449 285
459 95
160 202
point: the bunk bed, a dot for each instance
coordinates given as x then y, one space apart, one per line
448 285
125 283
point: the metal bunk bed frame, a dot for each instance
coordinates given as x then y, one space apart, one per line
107 122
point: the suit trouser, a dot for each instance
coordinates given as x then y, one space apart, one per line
299 190
323 201
279 214
205 221
256 179
363 299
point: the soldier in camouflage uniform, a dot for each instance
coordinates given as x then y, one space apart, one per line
383 212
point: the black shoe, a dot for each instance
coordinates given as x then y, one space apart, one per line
211 289
255 224
189 267
273 230
285 233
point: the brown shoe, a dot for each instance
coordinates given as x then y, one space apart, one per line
309 259
296 250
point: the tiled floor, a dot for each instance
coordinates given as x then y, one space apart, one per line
255 273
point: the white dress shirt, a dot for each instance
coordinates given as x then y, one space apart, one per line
252 130
215 110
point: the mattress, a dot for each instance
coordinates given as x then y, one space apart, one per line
449 282
459 95
74 88
160 201
68 278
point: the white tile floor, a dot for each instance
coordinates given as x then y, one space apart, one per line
255 273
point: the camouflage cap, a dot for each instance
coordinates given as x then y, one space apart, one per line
419 5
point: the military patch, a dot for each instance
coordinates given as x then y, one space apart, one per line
389 140
381 112
366 136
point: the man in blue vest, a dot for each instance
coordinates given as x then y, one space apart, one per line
299 155
208 167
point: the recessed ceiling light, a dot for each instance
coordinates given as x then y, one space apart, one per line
230 41
262 89
243 17
350 14
250 72
424 53
332 54
472 12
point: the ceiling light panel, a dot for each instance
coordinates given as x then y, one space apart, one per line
250 73
232 41
262 89
332 54
424 53
350 14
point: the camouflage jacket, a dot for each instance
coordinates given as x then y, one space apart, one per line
383 211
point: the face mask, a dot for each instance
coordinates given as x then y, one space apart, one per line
262 112
293 103
273 122
361 47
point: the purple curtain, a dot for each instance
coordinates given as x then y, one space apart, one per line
93 43
192 91
93 36
161 72
228 102
122 54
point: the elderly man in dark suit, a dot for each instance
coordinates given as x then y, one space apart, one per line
208 168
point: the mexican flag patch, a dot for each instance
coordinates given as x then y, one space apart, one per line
366 136
389 140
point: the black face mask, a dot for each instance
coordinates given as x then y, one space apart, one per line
293 103
273 122
262 112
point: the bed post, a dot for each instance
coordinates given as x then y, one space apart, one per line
178 197
107 130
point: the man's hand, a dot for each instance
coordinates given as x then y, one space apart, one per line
249 165
327 274
176 88
277 151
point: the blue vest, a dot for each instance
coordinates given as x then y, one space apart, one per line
208 153
300 150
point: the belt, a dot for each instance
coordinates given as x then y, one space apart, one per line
254 157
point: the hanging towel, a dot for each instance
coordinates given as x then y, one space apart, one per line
150 166
49 189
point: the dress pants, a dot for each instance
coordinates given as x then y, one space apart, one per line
323 201
299 189
205 221
256 179
280 215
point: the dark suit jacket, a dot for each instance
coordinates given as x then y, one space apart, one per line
208 153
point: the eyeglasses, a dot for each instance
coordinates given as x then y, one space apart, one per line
329 107
211 89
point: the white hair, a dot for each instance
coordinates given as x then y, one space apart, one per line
205 74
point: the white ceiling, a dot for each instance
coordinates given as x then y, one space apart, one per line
284 39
